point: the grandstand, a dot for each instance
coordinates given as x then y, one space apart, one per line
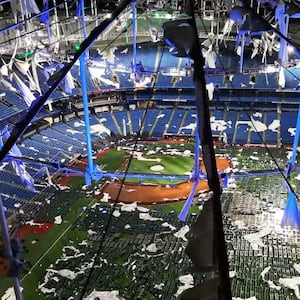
79 242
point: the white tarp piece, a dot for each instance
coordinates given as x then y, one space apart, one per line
27 6
51 69
69 83
283 20
18 165
210 58
227 27
104 295
274 126
182 232
58 220
99 129
10 294
255 239
108 54
187 282
97 75
153 34
22 66
291 283
27 94
210 90
281 78
5 69
6 85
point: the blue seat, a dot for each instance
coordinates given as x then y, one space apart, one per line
230 118
162 120
52 133
242 130
175 122
288 120
136 119
121 117
271 135
108 121
189 122
16 191
150 119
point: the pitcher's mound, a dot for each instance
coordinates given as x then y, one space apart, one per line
157 168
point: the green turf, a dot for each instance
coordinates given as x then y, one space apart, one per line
175 165
76 182
173 207
48 248
111 160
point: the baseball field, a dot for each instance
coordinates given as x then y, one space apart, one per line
137 251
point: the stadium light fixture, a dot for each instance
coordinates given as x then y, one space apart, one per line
25 54
76 47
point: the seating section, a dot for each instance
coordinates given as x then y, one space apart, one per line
189 123
162 120
230 119
241 129
76 128
170 71
273 123
123 122
108 121
287 126
150 119
175 122
14 194
6 112
257 135
136 120
64 141
217 122
61 142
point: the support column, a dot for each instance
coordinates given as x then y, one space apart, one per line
242 53
195 176
296 139
134 39
85 100
291 215
56 21
124 127
197 152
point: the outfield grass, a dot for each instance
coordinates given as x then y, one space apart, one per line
111 160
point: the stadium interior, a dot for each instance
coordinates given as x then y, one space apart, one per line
127 109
